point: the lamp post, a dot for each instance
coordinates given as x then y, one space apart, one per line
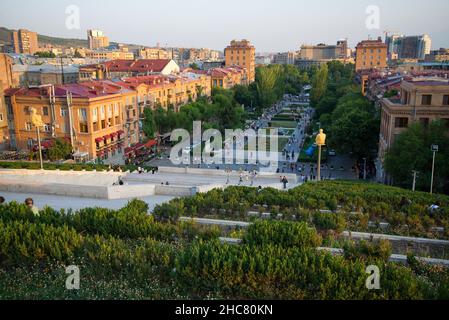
36 120
434 149
40 147
320 141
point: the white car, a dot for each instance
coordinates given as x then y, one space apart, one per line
332 153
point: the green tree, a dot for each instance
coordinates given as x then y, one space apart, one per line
61 149
319 84
148 125
45 54
411 151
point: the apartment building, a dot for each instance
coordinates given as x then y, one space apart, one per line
409 47
285 58
421 100
96 39
35 75
91 115
154 53
24 41
371 54
103 55
242 54
165 91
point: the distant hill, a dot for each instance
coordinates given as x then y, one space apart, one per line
5 38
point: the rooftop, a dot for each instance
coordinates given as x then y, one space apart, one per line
90 90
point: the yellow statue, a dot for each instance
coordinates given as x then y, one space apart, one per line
36 119
321 138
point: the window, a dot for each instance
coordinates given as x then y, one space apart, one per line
83 127
47 127
401 122
424 122
83 113
45 111
1 116
30 143
63 112
28 126
426 100
446 100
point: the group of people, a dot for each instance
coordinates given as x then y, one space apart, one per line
29 202
243 175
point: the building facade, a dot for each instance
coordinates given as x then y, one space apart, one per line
92 116
242 54
421 100
408 47
96 39
6 82
36 75
24 41
371 54
285 58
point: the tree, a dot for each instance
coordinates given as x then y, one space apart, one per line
45 54
194 66
319 84
77 54
411 151
148 125
61 149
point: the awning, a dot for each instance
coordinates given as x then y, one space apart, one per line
98 140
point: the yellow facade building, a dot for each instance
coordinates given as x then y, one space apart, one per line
99 118
371 54
242 54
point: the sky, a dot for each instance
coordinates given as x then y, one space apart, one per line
271 25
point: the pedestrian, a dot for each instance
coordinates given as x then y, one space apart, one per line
284 182
240 179
2 200
29 202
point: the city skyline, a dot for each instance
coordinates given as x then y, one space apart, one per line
269 26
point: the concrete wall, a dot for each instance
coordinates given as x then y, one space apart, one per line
130 191
292 178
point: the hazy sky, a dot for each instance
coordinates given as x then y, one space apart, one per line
271 25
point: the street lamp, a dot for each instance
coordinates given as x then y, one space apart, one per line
434 149
320 141
364 168
36 120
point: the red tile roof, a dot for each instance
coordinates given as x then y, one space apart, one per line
139 66
91 89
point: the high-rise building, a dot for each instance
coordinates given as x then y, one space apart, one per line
242 54
24 41
371 54
96 39
409 47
